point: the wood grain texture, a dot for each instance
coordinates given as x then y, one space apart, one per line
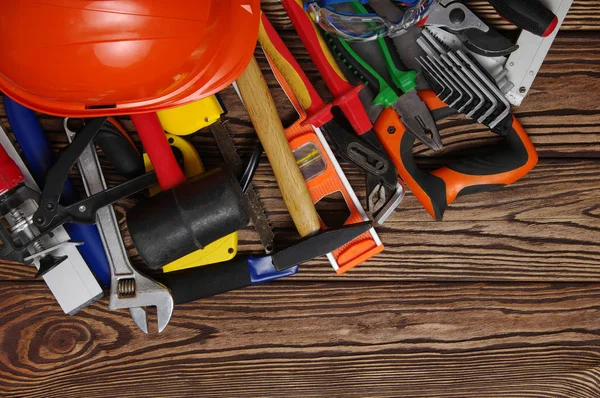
286 339
560 114
498 300
544 227
583 15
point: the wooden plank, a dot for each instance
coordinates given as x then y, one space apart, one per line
544 227
451 251
289 339
560 119
583 15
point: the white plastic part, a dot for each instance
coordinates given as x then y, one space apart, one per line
524 64
71 282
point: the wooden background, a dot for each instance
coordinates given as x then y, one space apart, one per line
500 299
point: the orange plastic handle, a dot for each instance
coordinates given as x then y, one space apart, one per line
436 190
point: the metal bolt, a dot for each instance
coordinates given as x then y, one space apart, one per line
206 119
39 220
457 16
49 206
512 64
522 90
82 209
391 130
531 72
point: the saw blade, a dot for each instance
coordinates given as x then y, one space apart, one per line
233 160
524 64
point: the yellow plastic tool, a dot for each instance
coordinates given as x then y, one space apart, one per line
220 250
187 119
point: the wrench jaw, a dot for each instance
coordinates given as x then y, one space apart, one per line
128 288
139 316
145 293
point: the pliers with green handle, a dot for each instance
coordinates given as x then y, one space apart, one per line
400 93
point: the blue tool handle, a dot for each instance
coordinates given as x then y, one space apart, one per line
209 280
40 157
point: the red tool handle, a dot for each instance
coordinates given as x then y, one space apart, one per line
437 189
316 110
530 15
10 174
158 149
346 95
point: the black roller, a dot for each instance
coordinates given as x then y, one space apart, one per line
186 218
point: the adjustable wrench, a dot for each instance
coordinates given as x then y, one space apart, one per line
128 288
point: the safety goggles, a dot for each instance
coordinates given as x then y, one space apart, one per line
355 26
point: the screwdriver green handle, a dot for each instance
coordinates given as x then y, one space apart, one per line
385 95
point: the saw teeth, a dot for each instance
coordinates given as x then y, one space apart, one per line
437 40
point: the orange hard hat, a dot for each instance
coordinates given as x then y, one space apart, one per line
82 58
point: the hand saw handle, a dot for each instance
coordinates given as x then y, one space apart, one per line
346 95
437 189
158 149
263 113
316 110
530 15
210 280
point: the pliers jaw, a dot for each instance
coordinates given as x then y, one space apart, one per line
475 34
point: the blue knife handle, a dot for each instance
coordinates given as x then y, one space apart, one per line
209 280
40 157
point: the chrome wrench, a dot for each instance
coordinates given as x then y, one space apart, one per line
128 288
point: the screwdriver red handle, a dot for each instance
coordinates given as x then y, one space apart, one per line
158 149
530 15
437 189
318 113
346 95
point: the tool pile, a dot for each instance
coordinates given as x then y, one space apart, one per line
394 69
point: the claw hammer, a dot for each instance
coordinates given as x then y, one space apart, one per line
263 113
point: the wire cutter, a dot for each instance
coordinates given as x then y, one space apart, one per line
478 37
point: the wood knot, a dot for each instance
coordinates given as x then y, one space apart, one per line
64 339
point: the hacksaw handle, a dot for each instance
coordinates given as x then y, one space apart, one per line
263 113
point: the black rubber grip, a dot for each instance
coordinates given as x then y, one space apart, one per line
398 63
530 15
187 217
119 151
511 156
350 63
208 280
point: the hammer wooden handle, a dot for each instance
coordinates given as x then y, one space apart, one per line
263 113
